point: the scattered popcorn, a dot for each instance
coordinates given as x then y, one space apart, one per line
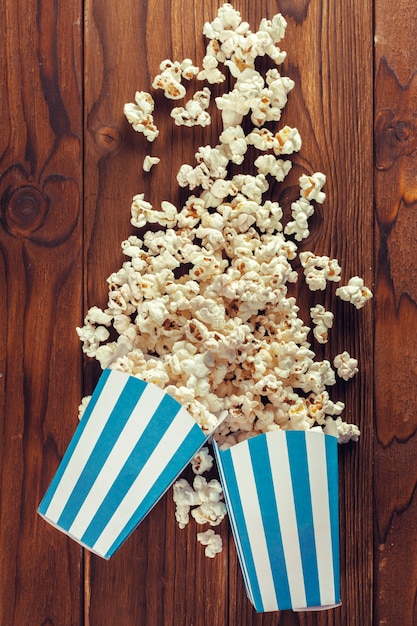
149 162
202 305
354 292
212 541
346 366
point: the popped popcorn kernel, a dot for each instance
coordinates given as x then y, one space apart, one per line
212 541
346 366
355 292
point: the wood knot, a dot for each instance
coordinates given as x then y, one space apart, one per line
402 131
25 211
395 137
108 139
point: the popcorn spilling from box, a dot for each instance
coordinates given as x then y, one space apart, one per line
202 307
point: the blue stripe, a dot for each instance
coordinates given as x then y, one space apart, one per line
180 459
240 528
105 443
297 452
259 452
161 419
73 443
219 457
333 483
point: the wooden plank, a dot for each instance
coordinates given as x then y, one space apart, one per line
396 314
40 242
159 574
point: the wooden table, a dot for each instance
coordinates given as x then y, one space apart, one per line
70 164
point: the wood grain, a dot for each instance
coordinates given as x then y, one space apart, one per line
40 239
395 316
325 108
69 166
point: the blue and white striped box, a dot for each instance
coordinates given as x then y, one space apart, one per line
129 447
281 491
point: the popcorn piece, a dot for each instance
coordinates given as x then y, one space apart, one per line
288 141
140 116
346 365
301 210
268 164
169 80
234 143
318 270
345 432
202 461
149 162
210 71
184 497
194 113
311 187
212 541
83 406
355 292
323 321
188 70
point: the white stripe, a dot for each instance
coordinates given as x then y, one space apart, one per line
130 435
166 449
231 513
281 476
316 454
106 402
248 494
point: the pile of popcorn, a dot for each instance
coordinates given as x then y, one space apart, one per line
201 307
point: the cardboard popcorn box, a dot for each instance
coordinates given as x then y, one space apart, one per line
129 447
281 491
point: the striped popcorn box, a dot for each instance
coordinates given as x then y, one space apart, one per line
281 491
129 447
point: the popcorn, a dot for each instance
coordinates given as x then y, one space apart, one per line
346 366
205 497
188 70
318 270
82 407
210 71
195 112
345 432
301 210
149 162
140 115
202 461
288 141
323 321
311 187
201 303
268 164
169 80
212 541
354 292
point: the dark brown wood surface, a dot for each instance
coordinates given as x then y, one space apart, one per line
69 166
